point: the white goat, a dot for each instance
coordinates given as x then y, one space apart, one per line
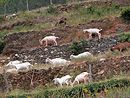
13 63
25 65
84 76
47 39
63 80
19 65
57 61
93 31
80 56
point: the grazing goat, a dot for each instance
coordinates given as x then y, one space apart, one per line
63 80
84 76
121 46
80 56
93 31
57 61
47 39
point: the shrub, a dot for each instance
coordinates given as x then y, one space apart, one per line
126 15
125 37
78 47
91 10
51 10
2 42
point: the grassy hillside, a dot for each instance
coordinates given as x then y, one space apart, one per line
41 19
31 26
14 6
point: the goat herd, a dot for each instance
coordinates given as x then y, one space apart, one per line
16 66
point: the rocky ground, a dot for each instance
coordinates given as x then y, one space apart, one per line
100 70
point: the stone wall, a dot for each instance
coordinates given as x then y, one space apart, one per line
39 54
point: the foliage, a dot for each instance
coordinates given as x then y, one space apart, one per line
51 10
2 42
125 37
81 91
78 47
90 89
14 6
126 15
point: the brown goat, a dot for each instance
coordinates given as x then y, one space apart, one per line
121 46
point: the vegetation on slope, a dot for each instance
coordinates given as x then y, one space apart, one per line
76 16
79 91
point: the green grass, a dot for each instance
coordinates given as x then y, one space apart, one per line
117 85
76 16
120 93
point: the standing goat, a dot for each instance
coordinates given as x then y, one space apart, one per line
93 31
19 65
63 80
84 76
48 39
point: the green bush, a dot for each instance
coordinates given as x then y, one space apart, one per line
51 10
126 15
91 10
78 47
2 42
125 37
